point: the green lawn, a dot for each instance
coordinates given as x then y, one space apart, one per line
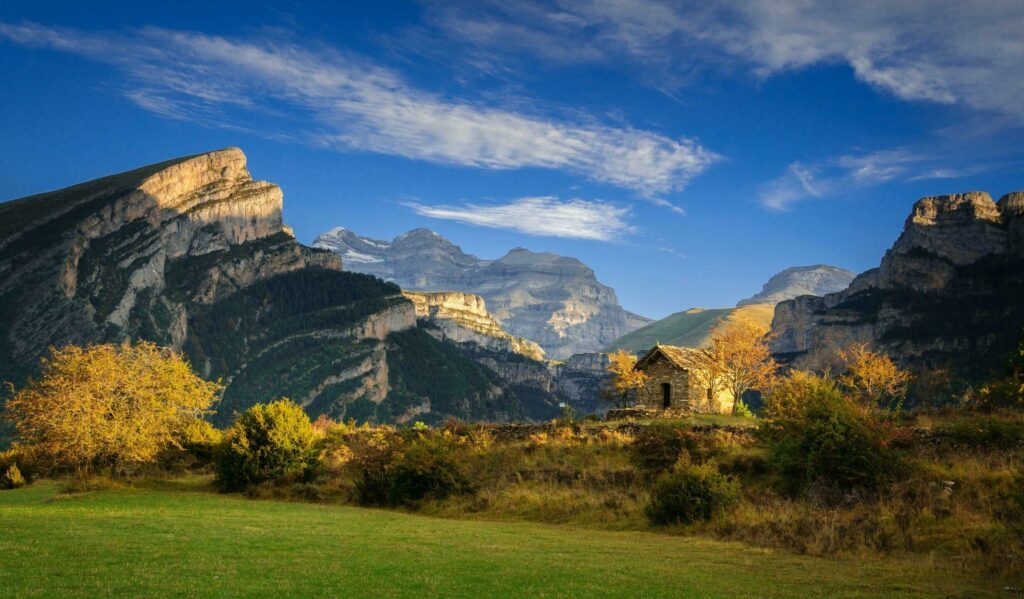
179 539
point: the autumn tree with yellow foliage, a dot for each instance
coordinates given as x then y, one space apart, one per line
873 378
626 379
741 358
110 405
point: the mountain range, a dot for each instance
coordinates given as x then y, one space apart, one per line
553 300
192 254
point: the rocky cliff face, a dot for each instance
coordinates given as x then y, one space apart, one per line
192 254
793 282
552 300
946 294
541 384
126 256
463 318
581 380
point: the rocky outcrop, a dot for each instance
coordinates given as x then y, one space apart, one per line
127 256
801 280
552 300
946 294
463 318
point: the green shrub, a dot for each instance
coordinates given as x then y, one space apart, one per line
427 469
828 443
269 442
369 457
567 416
692 493
12 478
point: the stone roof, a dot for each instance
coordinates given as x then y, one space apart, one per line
678 356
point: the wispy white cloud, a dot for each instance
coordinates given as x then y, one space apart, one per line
803 181
877 167
798 183
964 52
543 216
346 103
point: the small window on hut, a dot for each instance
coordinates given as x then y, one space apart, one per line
666 395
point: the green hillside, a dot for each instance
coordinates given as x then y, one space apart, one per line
177 539
690 328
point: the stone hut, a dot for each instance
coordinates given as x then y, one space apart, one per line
670 386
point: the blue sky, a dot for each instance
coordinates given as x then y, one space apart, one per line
685 153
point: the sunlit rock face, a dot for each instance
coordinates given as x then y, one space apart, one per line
945 295
553 300
124 256
463 318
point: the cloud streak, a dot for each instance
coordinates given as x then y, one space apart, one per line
546 216
957 52
852 171
345 103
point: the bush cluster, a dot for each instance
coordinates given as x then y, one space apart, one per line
820 440
691 493
272 442
427 469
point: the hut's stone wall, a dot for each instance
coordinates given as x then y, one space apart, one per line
686 392
683 394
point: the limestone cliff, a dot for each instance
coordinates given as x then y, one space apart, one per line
463 318
946 294
581 380
555 301
540 384
126 256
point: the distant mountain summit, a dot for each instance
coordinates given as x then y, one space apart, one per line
802 280
553 300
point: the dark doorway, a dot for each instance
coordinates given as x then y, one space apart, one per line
666 395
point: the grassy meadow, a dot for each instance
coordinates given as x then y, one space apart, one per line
179 538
